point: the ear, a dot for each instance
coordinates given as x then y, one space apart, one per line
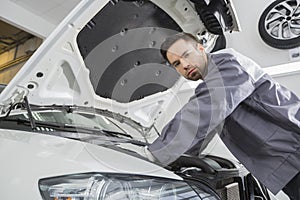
200 47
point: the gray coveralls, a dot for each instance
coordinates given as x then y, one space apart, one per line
257 119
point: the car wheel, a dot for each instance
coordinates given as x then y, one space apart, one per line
279 24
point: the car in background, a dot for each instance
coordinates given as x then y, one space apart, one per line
76 118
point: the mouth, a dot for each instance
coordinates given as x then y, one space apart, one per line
191 71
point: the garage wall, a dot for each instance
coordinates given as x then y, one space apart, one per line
290 81
276 62
248 41
287 75
12 60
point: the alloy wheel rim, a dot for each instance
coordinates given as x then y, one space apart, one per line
283 21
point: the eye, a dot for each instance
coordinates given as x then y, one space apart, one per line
176 64
186 55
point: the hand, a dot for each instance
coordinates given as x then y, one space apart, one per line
148 154
144 151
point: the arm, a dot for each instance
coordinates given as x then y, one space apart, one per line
225 87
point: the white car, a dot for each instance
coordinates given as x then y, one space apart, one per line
76 118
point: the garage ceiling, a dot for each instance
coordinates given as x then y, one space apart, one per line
10 37
21 20
52 11
38 17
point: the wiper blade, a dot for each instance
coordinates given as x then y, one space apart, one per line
31 119
116 133
42 126
66 127
80 127
36 123
25 104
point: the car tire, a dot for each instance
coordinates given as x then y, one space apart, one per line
279 24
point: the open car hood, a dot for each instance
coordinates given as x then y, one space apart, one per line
105 54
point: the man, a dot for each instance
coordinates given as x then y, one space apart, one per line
257 119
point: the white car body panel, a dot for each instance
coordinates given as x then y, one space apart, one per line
56 74
44 156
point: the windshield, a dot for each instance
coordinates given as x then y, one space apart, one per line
72 120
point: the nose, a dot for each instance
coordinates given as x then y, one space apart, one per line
185 63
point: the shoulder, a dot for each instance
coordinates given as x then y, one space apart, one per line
225 57
224 60
222 54
228 54
232 58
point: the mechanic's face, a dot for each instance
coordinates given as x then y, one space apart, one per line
188 58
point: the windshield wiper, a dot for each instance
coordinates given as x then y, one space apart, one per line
116 133
39 125
43 126
31 119
25 104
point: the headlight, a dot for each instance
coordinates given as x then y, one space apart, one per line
113 187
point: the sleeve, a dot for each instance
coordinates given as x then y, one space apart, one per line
224 88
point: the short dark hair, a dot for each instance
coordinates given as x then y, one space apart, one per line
167 43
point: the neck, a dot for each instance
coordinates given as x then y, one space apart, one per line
203 68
